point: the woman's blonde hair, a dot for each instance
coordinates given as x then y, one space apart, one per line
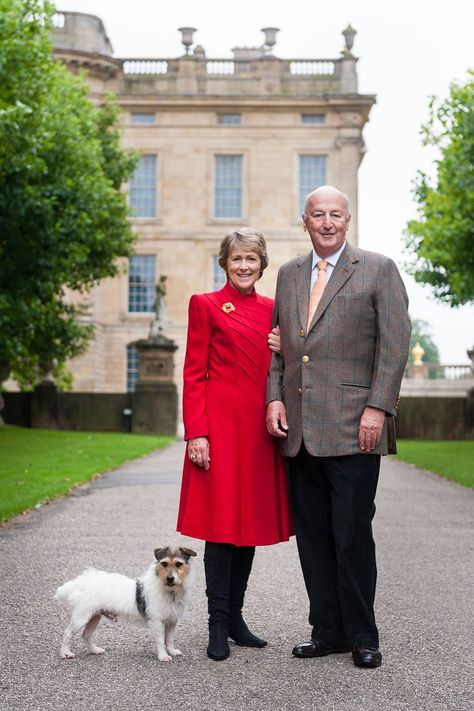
248 239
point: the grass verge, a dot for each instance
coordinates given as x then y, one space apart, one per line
37 465
452 459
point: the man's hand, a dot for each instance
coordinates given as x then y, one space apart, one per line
198 451
370 429
277 424
274 341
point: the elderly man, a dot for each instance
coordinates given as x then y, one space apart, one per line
332 395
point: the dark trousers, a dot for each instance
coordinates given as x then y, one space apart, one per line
333 507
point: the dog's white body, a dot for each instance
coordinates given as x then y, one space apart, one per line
95 593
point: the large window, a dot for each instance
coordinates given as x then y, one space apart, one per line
228 186
141 283
132 367
143 188
219 277
312 174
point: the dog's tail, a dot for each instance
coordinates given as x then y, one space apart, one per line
72 587
64 591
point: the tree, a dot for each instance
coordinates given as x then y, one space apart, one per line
421 333
63 217
441 239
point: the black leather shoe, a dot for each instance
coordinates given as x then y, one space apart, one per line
368 657
320 648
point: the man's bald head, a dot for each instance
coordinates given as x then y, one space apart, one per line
327 191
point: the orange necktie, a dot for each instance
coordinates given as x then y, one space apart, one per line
317 290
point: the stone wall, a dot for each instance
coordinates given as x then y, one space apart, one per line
436 417
89 412
418 417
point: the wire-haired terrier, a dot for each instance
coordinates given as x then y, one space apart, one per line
157 599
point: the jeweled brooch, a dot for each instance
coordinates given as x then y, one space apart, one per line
228 307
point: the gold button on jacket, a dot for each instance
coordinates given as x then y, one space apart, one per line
305 359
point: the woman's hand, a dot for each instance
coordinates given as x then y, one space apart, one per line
198 451
274 341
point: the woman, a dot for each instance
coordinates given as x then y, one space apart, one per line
234 491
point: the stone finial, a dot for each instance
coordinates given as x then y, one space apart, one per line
418 352
470 355
349 34
187 36
270 37
199 52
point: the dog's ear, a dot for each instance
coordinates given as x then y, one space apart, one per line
187 552
161 553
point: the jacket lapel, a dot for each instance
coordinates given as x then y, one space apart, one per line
342 272
303 282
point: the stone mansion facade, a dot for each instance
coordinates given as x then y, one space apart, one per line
224 143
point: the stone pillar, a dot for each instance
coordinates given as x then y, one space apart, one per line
270 69
186 82
155 400
348 75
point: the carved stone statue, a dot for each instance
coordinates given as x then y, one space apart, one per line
160 308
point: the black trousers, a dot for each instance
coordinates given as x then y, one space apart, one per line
333 507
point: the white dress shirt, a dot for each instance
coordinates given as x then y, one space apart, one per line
332 261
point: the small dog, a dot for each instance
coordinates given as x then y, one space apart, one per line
156 599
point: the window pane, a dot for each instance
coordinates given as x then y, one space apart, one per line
219 276
312 118
143 188
132 367
312 174
141 283
228 118
141 119
228 186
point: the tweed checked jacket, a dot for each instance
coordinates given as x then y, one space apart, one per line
353 355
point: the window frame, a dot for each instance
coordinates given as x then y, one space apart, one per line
153 190
229 218
312 123
135 114
148 284
221 116
300 193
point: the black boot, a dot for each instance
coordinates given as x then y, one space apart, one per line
241 566
217 566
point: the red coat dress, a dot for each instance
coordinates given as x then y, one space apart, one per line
242 498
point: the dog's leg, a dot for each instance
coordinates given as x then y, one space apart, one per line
76 624
170 628
87 633
158 632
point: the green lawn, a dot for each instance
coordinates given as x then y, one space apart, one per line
36 465
452 459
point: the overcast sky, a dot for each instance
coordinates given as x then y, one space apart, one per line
408 51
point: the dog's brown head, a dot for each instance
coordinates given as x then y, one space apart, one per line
172 566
